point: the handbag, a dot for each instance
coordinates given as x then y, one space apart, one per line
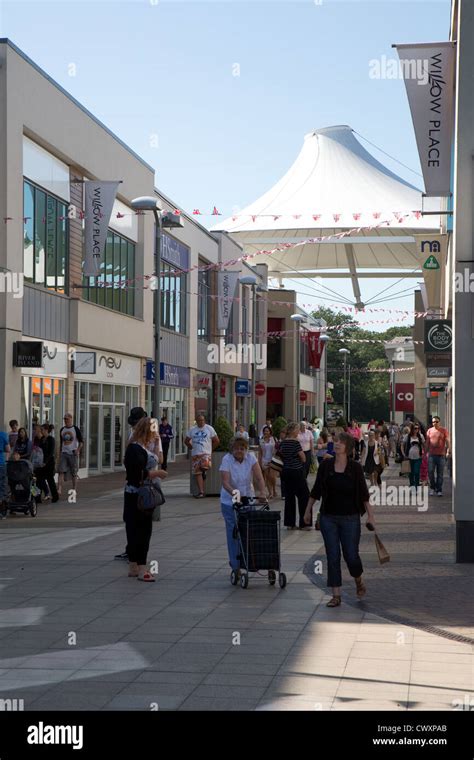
383 554
150 496
276 463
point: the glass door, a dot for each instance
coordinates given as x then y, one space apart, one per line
106 438
94 437
119 432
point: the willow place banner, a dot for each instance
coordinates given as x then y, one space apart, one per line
431 102
226 284
99 201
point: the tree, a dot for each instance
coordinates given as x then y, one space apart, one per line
369 391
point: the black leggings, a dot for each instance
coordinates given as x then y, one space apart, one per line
138 526
295 485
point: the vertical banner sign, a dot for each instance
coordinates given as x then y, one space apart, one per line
226 287
315 349
428 71
99 202
432 253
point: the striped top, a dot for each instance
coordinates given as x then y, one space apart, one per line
288 451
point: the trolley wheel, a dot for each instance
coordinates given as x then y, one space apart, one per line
244 580
34 509
234 577
271 577
282 580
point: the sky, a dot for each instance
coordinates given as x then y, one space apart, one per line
217 96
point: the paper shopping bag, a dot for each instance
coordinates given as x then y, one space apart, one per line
384 556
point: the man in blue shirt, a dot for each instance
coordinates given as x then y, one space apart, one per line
4 449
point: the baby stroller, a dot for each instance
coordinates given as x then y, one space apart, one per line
23 490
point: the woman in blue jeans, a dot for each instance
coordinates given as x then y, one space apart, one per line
239 470
341 485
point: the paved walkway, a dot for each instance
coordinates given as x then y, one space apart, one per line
76 633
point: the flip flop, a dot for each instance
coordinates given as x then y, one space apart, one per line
147 577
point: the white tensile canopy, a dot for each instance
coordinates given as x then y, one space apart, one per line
335 185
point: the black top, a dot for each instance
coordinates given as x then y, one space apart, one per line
340 498
288 451
326 492
135 462
48 445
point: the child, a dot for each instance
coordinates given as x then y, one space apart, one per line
424 480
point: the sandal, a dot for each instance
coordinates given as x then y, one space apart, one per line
360 587
334 602
147 577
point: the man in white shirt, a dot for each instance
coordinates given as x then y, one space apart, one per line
202 440
71 444
306 440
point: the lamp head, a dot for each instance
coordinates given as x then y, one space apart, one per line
145 203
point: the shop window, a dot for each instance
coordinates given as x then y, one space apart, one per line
274 344
173 298
45 238
112 288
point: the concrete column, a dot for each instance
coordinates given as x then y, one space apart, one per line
463 313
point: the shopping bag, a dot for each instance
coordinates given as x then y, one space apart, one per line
405 469
384 556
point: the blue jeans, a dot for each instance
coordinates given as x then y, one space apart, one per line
415 467
233 547
436 464
3 482
337 531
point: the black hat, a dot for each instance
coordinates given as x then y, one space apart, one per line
136 414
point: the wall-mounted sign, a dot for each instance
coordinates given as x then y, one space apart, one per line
438 371
55 361
84 363
242 387
438 335
171 375
110 368
28 353
174 252
404 397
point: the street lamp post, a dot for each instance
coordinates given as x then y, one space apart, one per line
162 219
297 319
251 280
345 352
324 339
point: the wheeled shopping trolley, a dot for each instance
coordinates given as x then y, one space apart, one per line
258 532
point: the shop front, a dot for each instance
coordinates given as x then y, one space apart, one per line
174 395
106 387
43 388
224 401
202 390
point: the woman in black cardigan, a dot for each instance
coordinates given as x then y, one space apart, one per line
140 464
48 444
341 485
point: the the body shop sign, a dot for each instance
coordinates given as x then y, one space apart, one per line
438 336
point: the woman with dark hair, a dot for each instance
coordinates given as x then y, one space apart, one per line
23 445
48 444
140 464
413 446
341 486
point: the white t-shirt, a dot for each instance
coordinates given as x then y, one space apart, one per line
69 439
305 439
201 438
240 476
